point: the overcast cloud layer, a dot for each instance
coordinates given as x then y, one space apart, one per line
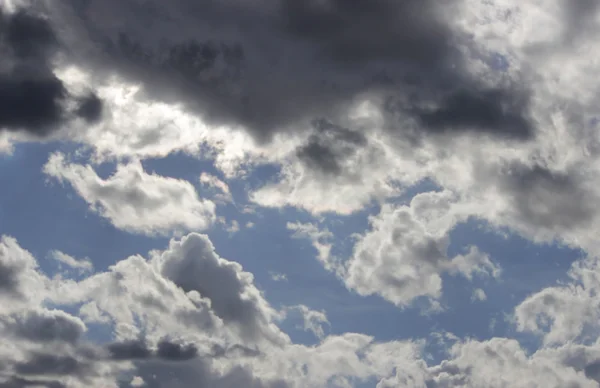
232 174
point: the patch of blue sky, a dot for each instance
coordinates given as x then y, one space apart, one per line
527 268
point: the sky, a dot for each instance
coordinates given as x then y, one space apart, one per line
287 193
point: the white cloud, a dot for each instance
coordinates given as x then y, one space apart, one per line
83 265
478 295
313 320
278 277
404 254
501 362
184 293
567 312
134 200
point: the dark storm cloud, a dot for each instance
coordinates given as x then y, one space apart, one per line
90 108
32 98
28 36
493 111
269 66
354 32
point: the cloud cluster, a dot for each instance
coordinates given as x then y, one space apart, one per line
169 330
353 103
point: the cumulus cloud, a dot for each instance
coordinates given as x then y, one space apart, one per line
134 200
567 312
405 253
173 347
167 326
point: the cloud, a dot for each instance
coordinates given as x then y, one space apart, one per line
567 312
217 72
134 200
44 326
32 98
214 182
478 295
193 265
83 265
167 334
185 352
20 281
403 256
175 351
320 240
313 320
502 362
129 350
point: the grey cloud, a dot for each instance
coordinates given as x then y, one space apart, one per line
272 65
193 265
19 382
41 364
175 351
219 351
592 371
494 111
129 350
46 326
90 108
9 282
199 374
548 199
329 145
32 98
139 350
578 15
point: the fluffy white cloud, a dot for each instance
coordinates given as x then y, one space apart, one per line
134 200
501 362
175 322
565 313
404 254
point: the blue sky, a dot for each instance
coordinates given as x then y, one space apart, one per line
289 194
